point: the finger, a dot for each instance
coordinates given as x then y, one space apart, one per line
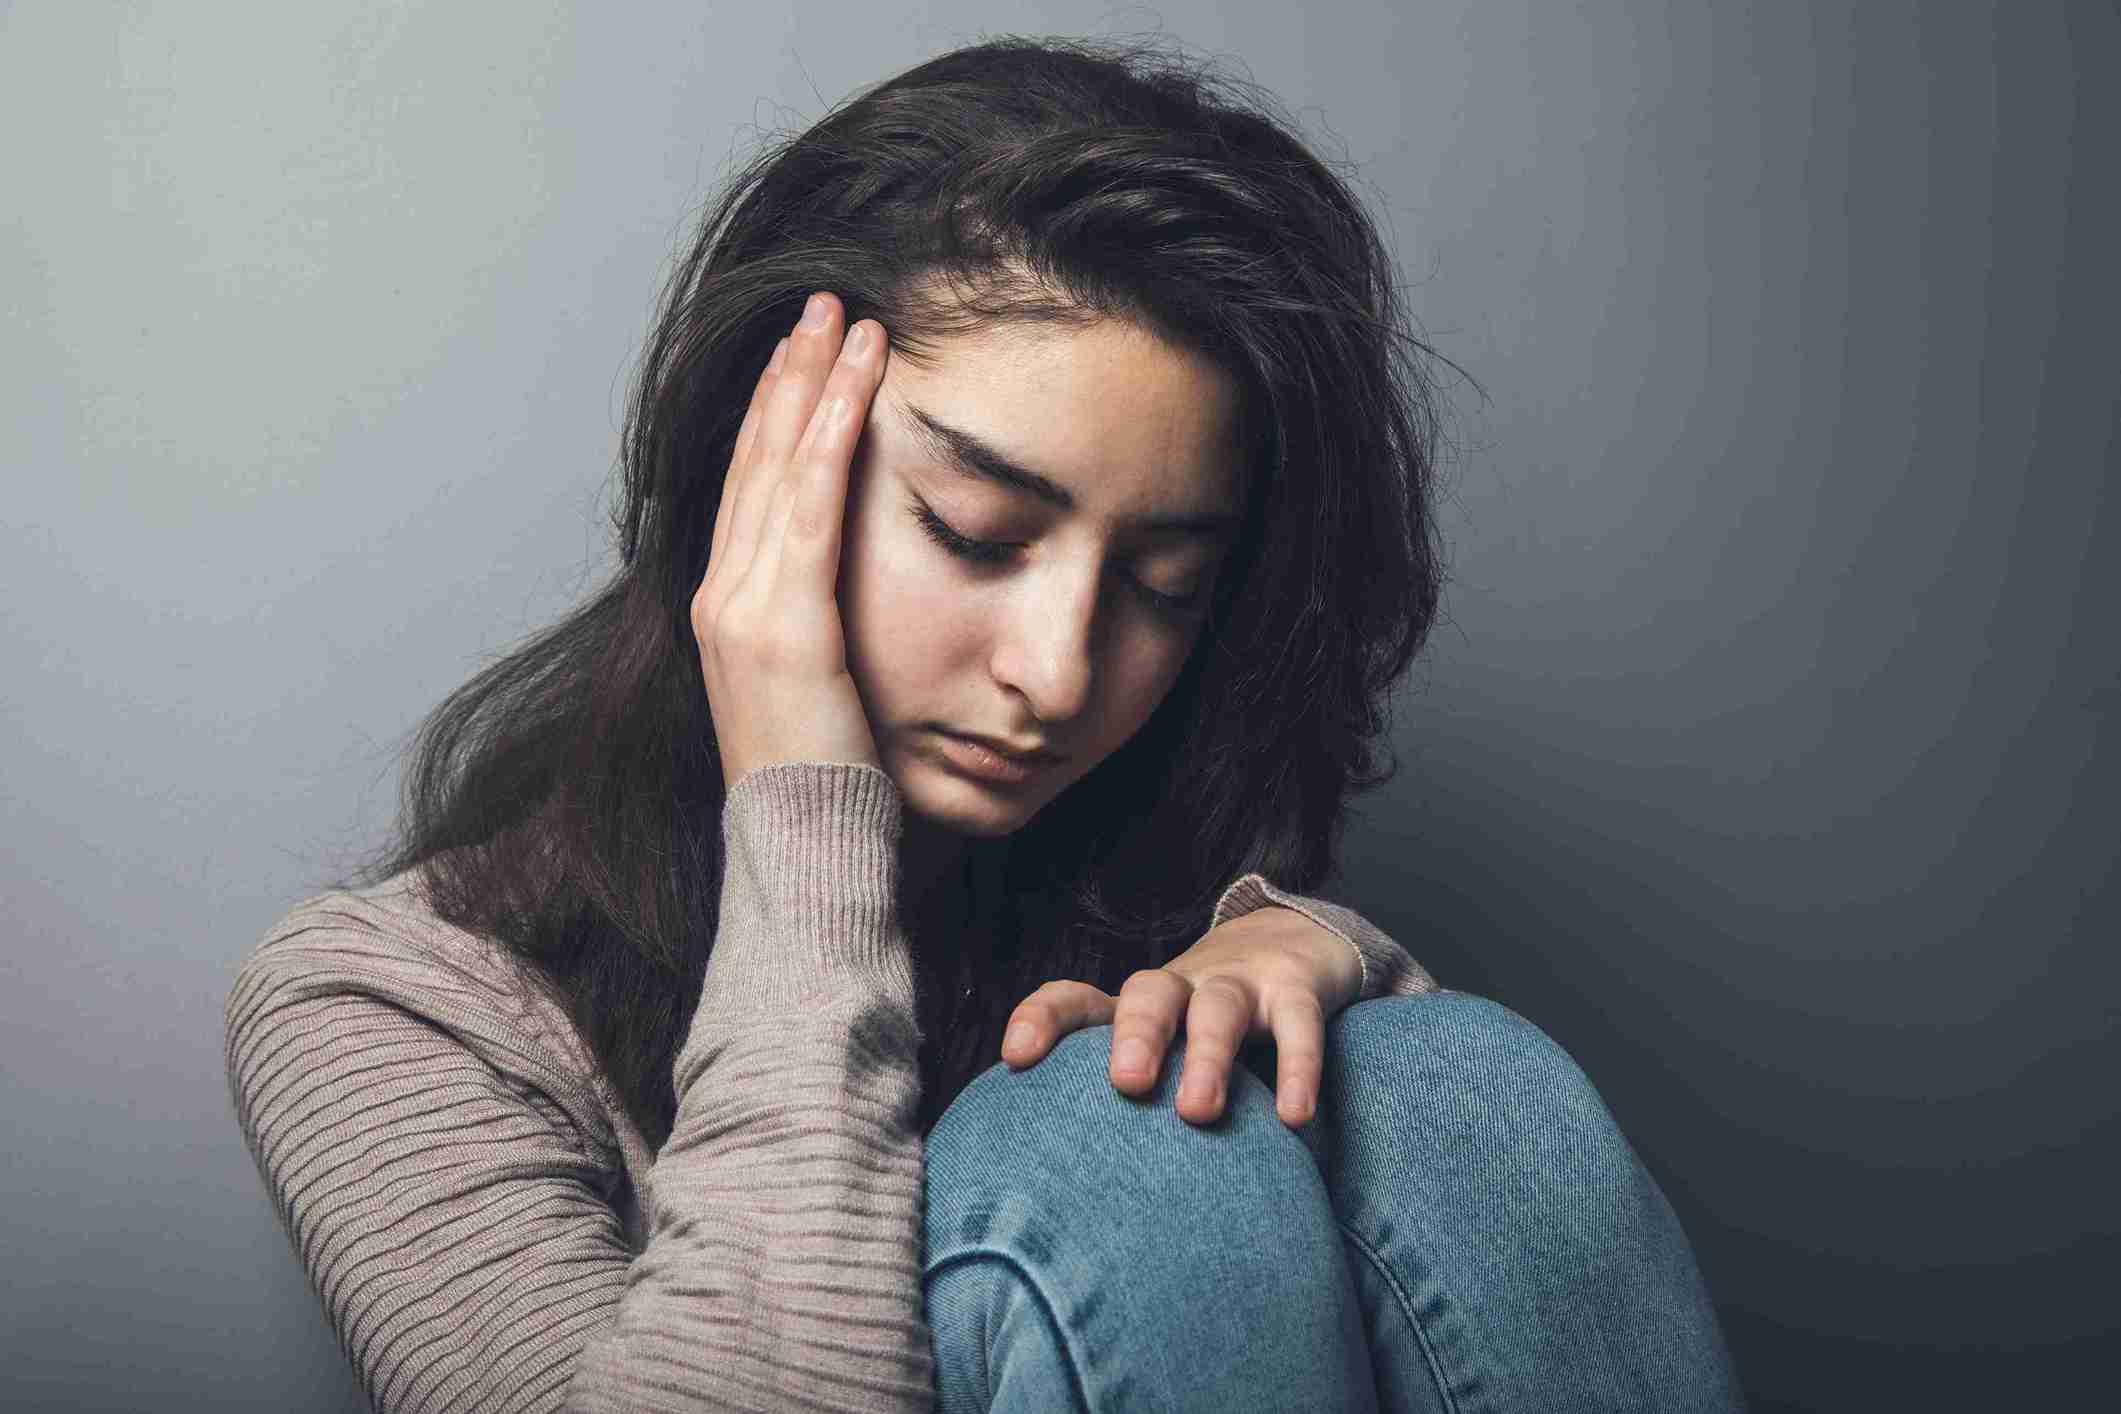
822 458
1050 1013
740 454
810 504
1299 1025
1216 1025
748 434
813 349
789 403
1146 1017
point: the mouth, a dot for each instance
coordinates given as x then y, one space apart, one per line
980 760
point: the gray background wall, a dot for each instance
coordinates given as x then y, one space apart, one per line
1767 758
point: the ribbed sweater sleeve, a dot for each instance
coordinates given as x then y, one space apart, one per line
444 1174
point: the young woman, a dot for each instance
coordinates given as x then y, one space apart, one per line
660 1063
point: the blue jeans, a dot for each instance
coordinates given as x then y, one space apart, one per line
1461 1227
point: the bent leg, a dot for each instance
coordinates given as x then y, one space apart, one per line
1089 1251
1510 1250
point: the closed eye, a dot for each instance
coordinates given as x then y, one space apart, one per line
993 552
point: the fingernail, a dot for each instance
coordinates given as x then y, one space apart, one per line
814 313
857 339
1018 1038
1133 1054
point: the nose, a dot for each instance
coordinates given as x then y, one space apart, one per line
1045 650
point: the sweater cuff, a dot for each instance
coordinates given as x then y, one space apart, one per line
809 910
1387 968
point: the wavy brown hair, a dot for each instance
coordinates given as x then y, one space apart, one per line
566 800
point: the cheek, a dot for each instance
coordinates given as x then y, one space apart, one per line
905 616
913 586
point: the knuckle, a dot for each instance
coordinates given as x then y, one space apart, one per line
707 617
733 637
840 411
1298 998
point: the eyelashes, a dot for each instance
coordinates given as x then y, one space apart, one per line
993 552
985 552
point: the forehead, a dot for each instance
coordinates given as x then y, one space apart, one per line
1108 410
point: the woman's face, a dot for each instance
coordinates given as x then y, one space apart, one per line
1057 642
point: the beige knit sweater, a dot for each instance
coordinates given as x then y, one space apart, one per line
487 1229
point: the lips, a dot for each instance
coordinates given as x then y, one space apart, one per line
1042 756
985 764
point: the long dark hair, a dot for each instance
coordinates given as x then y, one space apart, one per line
566 800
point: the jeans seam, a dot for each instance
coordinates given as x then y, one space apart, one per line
1406 1308
1076 1385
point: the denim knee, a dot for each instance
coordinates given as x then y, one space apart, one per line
1075 1070
1023 1130
1085 1248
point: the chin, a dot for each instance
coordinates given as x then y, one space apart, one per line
967 806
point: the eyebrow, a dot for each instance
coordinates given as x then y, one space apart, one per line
969 456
